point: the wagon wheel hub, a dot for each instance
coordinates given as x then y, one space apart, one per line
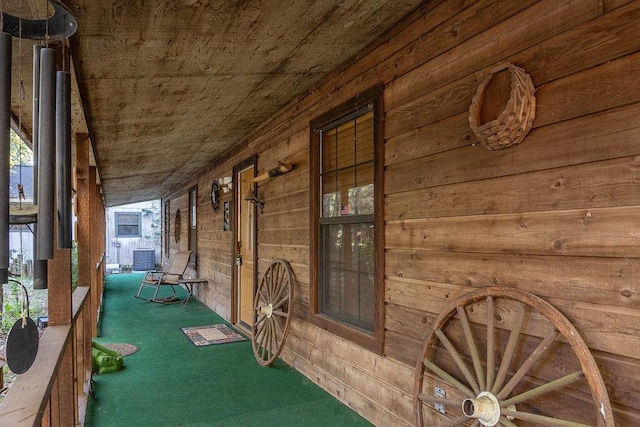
267 310
485 408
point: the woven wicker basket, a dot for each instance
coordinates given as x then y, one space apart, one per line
508 127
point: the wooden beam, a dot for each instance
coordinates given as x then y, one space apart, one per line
59 279
59 274
83 235
94 218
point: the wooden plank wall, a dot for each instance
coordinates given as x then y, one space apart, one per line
555 216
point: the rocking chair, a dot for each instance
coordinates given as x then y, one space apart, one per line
155 279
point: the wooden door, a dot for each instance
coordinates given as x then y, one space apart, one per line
245 235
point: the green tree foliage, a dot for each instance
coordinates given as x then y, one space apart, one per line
20 152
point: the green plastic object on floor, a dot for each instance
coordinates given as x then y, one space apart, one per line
105 360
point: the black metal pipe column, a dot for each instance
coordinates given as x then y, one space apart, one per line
40 267
63 158
46 154
36 117
5 151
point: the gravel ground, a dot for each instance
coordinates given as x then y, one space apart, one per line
11 312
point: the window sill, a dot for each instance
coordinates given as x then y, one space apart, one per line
370 341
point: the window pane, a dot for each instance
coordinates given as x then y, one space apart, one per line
347 168
330 205
127 230
348 192
345 144
193 235
193 209
329 150
347 291
361 200
124 218
364 138
127 224
346 180
167 228
330 196
361 196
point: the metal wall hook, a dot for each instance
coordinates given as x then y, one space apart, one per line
251 197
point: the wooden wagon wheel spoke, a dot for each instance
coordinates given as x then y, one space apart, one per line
262 291
269 343
445 376
260 328
277 335
281 296
491 355
459 362
261 318
280 313
506 422
508 353
528 364
273 304
442 400
279 327
545 388
262 339
473 350
279 304
541 419
268 284
519 329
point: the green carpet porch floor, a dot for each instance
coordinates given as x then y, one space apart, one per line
170 382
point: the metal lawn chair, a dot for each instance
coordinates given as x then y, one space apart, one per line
156 279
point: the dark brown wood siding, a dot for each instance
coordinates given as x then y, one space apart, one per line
556 216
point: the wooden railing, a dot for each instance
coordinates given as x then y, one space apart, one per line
53 392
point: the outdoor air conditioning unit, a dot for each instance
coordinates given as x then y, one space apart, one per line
144 259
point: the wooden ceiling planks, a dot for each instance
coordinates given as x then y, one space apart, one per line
186 80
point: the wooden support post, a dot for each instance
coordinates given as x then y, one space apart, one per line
59 273
67 402
64 402
85 191
83 212
82 369
64 399
94 219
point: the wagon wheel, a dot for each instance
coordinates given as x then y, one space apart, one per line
509 331
273 304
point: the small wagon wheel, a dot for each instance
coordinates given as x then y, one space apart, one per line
273 304
490 348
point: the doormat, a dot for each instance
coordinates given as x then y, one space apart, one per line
210 335
124 349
